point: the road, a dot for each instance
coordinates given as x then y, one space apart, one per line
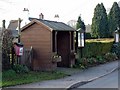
109 81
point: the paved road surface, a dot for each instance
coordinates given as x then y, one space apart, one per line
109 81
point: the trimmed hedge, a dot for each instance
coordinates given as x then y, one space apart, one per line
88 36
95 52
96 48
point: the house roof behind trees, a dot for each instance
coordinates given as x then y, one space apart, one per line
13 25
88 28
14 33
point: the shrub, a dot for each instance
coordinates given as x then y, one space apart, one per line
91 60
96 51
8 73
88 36
110 56
20 68
81 63
100 59
116 49
96 47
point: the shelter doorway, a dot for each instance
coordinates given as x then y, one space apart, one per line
63 48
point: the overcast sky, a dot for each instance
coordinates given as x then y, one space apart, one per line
66 9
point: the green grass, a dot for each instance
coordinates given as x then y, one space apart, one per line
11 80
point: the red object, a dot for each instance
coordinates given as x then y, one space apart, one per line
18 50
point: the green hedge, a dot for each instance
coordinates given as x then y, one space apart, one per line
88 36
116 49
93 49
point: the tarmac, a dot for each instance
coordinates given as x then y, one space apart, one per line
76 77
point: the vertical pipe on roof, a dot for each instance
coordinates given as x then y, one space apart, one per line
56 41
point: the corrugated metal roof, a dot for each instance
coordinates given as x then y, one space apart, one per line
59 26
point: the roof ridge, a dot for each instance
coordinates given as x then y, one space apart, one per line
59 26
44 20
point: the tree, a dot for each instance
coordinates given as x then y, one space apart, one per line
80 24
99 27
114 18
104 22
6 48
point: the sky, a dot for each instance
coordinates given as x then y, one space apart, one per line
66 9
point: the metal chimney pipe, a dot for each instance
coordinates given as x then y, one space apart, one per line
41 16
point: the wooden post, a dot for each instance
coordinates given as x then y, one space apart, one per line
19 33
56 41
70 41
76 43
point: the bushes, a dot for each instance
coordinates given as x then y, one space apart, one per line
96 48
93 61
88 36
116 49
110 56
20 68
9 73
96 51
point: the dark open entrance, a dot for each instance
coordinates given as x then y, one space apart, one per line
63 48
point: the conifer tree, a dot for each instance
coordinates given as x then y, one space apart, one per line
114 18
80 24
99 26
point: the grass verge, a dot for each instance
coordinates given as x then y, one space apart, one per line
17 79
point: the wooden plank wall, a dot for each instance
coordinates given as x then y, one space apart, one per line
39 38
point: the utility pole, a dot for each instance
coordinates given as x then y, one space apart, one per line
19 30
19 33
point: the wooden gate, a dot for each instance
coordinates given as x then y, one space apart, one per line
27 57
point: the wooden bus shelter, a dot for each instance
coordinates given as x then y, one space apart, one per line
49 39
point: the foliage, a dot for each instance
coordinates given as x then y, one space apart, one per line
79 64
8 73
116 49
110 56
97 47
80 24
100 59
20 68
55 55
95 52
91 61
88 36
86 62
56 58
30 77
114 18
6 48
99 27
